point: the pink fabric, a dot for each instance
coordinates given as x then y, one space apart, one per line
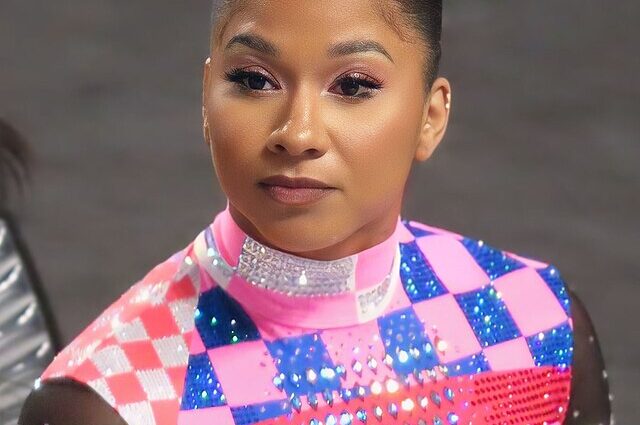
452 263
447 327
524 292
231 367
509 355
135 354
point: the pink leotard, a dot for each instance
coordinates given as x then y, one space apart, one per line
427 327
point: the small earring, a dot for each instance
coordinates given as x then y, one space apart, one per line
448 104
208 61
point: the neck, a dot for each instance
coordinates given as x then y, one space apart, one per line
370 234
301 291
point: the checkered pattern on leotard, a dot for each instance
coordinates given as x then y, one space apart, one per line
472 334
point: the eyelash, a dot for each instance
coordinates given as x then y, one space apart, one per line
237 76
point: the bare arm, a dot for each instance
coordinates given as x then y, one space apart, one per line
64 401
589 403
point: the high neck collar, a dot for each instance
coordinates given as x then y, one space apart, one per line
297 291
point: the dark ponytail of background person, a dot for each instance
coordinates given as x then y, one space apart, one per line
15 159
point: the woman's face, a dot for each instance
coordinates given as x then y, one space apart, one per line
284 100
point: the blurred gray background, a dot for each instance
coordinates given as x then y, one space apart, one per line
542 154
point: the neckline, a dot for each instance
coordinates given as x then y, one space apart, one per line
287 289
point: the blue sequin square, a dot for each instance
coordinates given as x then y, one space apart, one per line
221 320
469 365
202 387
304 364
488 315
418 278
553 347
406 342
552 277
254 413
493 261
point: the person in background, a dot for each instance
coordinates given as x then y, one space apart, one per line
28 333
14 163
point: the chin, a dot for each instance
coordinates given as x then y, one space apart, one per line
299 235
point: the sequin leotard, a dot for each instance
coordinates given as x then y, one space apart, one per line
427 327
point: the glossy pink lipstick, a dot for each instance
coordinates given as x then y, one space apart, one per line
295 191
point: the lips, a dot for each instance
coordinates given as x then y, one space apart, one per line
297 182
295 191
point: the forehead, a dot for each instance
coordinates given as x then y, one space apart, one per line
309 26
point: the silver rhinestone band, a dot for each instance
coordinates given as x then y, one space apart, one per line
293 275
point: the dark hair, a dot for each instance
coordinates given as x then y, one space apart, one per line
14 160
421 16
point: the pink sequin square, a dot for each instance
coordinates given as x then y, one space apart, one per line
512 354
141 354
530 301
196 346
126 388
452 263
245 372
447 328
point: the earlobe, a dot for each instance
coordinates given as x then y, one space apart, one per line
423 151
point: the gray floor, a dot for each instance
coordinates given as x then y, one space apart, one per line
541 157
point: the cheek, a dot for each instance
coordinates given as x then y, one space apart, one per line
235 146
380 150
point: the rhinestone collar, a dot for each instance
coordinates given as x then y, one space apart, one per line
295 290
292 275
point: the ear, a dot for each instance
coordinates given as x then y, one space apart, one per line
205 96
435 119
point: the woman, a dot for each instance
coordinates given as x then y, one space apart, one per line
309 299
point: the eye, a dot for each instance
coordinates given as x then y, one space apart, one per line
255 81
352 82
252 81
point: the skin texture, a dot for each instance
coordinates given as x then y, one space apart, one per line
299 122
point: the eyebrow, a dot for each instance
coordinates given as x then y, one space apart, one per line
342 48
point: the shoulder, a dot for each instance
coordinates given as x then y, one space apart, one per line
135 346
501 295
63 401
463 263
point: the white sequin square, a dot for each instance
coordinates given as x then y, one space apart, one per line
111 360
133 331
156 384
172 350
183 311
137 413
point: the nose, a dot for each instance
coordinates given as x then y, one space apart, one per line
302 132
